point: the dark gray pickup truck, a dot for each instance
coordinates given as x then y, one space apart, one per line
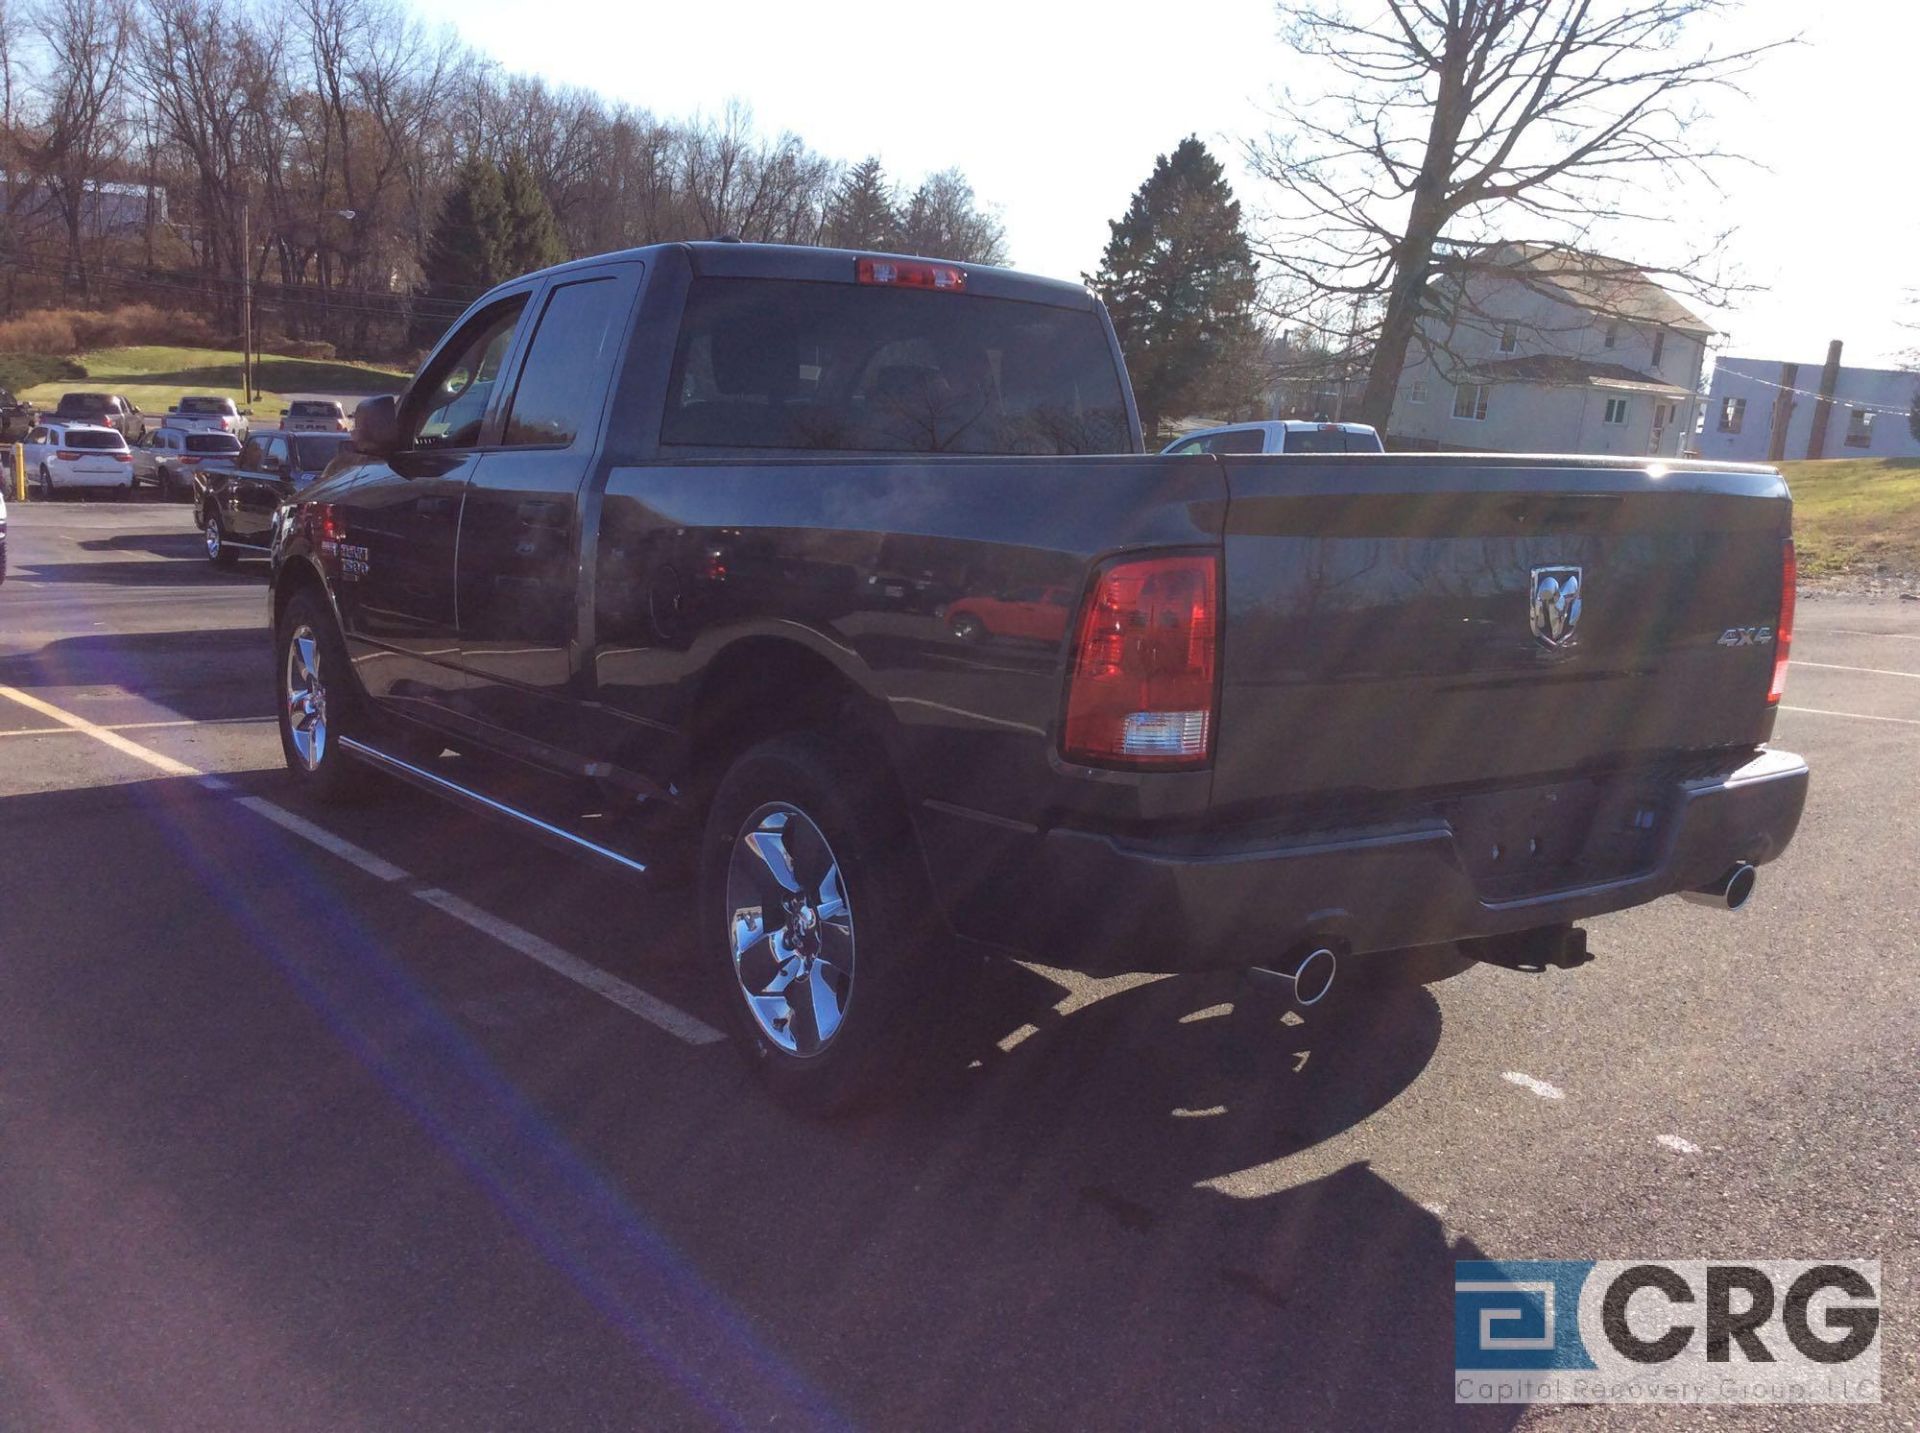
842 587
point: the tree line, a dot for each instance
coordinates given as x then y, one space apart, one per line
315 144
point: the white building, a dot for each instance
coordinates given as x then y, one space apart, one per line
1546 351
1762 410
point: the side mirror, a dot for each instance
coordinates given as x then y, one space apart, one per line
376 426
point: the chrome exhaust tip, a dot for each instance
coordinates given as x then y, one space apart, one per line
1310 977
1730 892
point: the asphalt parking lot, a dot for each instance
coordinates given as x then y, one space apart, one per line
376 1118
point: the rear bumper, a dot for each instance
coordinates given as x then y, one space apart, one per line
68 478
1100 903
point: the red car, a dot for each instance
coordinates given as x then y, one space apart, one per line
1036 612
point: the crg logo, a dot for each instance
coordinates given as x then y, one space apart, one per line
1667 1331
1746 637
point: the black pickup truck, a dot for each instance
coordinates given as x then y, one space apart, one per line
684 526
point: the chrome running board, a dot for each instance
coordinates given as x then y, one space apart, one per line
486 805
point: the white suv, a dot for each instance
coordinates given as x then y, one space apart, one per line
74 456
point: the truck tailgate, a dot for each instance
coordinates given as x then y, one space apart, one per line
1379 635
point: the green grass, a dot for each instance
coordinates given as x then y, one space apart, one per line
1856 516
21 371
157 377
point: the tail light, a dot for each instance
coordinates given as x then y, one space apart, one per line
123 457
1783 629
1140 684
65 456
910 275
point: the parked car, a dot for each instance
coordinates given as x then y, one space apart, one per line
15 418
71 457
1288 436
207 413
168 457
1035 613
103 410
314 415
617 530
234 499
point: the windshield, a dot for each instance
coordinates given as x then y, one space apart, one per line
765 363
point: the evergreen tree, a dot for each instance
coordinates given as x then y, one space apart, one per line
531 239
1179 280
466 247
861 214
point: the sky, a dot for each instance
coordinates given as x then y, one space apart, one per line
1056 111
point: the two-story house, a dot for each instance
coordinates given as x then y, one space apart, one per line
1540 350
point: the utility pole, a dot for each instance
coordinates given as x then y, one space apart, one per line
246 302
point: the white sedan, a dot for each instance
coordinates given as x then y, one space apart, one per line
64 457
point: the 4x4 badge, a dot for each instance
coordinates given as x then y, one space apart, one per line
1555 606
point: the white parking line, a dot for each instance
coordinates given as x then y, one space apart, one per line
1679 1145
99 733
670 1018
654 1011
134 726
1857 716
1862 632
380 870
1864 671
1539 1087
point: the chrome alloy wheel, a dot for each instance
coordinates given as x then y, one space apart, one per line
789 929
213 538
306 698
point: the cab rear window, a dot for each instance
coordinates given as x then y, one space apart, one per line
783 364
221 406
212 443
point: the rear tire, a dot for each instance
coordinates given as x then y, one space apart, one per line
317 701
818 926
218 551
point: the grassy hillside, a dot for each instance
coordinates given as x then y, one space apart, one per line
156 377
1857 516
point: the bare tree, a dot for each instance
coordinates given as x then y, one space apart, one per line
81 129
1449 125
943 220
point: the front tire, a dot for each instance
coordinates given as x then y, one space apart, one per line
317 700
817 923
46 484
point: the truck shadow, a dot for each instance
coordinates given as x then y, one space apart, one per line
1126 1217
215 674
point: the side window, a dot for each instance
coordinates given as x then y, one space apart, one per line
1185 450
38 435
275 459
451 404
1242 440
567 363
